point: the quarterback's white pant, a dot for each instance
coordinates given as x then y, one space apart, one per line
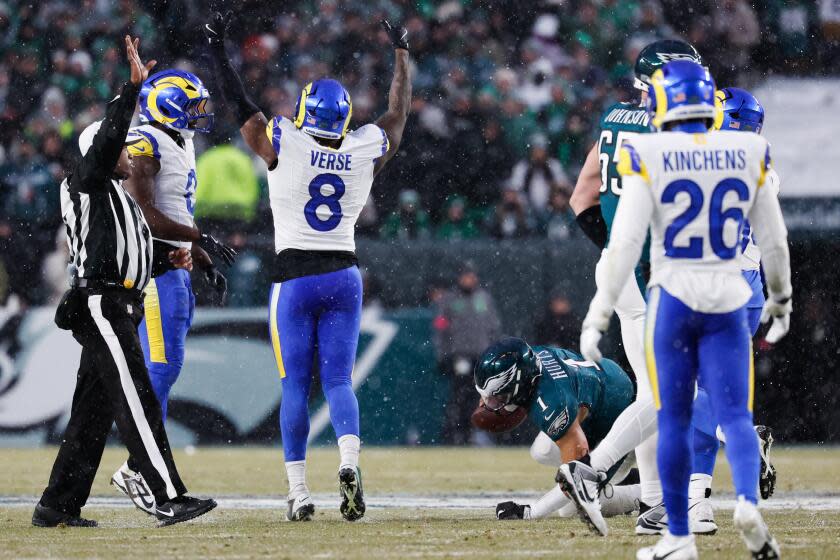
635 428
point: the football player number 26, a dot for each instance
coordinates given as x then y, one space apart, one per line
327 220
717 217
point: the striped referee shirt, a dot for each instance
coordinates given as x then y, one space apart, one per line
108 236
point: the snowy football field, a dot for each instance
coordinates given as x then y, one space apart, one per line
422 502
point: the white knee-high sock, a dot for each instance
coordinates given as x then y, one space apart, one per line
699 484
551 501
349 446
296 473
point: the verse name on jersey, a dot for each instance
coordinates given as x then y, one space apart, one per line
628 116
331 162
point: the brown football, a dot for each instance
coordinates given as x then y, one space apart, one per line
497 421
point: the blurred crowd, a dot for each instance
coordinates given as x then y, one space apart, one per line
507 96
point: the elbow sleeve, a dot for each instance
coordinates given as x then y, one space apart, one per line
592 222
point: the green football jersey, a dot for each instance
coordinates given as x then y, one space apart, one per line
568 382
619 122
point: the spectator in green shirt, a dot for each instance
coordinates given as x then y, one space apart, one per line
457 223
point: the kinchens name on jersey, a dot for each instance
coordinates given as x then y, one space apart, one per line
175 182
703 186
317 192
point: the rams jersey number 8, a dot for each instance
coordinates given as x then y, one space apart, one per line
317 192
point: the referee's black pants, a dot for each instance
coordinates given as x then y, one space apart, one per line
112 384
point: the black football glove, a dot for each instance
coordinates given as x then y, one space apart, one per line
216 29
512 510
215 247
398 35
217 281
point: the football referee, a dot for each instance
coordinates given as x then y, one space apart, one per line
112 260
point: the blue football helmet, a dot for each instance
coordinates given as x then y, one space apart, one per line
738 109
324 109
177 100
681 90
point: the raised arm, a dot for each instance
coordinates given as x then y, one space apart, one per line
102 156
399 97
251 120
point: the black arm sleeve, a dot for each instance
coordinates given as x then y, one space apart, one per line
593 225
233 91
101 159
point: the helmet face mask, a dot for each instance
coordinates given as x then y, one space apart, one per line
507 374
177 100
324 110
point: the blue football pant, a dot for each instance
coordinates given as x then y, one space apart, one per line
706 444
169 307
685 347
322 311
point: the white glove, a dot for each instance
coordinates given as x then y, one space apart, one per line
596 322
589 339
779 311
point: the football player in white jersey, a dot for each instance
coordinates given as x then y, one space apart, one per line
319 176
172 108
694 188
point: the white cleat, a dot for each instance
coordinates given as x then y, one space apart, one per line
754 531
652 520
670 547
134 486
701 516
581 483
301 508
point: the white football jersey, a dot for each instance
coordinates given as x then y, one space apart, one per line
702 187
316 192
751 254
176 181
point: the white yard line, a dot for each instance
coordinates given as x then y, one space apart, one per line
804 501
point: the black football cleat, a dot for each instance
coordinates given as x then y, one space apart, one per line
767 474
182 508
352 506
48 517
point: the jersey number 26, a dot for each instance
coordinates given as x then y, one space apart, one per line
717 217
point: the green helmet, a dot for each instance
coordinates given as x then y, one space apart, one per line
507 373
657 54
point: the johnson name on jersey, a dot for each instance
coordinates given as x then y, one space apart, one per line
175 183
702 187
317 192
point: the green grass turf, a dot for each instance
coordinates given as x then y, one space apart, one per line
386 533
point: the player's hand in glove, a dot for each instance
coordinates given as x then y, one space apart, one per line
779 311
216 29
595 324
398 35
216 247
217 281
512 510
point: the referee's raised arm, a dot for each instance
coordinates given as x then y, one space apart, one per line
100 161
